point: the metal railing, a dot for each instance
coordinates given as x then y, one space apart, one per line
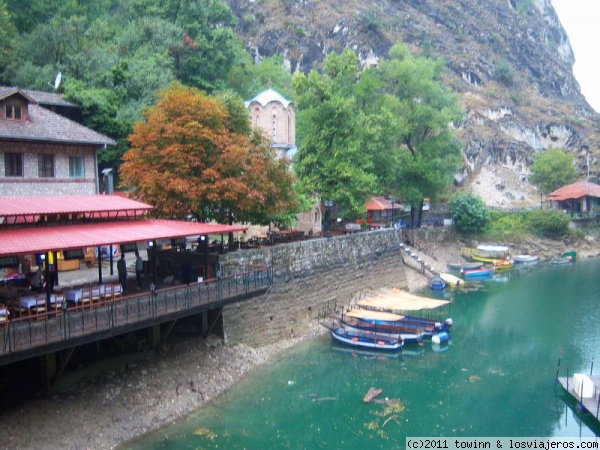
72 326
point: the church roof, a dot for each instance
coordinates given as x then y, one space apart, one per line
268 96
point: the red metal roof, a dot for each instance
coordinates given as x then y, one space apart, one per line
575 190
65 237
381 204
68 204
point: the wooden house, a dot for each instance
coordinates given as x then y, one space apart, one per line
580 201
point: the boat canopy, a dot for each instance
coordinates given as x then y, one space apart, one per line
492 248
366 314
397 300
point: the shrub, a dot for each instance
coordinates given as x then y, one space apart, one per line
548 223
469 213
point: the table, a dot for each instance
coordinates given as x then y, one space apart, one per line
84 294
29 301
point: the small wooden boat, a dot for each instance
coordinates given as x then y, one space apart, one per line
525 258
465 265
571 254
437 283
503 264
484 272
486 253
452 280
561 260
366 340
384 323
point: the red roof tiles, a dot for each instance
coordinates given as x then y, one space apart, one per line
575 191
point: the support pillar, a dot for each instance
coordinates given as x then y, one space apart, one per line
47 370
154 336
204 324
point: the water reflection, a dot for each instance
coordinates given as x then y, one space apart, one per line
495 377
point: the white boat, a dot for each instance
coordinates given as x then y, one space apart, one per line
451 280
525 258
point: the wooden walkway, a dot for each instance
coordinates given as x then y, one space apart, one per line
592 405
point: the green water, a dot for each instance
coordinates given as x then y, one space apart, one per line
495 377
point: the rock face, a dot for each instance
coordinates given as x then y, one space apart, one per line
509 61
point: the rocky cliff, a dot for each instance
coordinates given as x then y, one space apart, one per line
510 61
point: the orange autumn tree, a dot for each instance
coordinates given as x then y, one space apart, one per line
192 157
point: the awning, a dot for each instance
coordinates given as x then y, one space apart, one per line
28 209
367 314
397 300
41 239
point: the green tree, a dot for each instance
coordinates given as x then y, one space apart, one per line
425 154
330 158
552 169
8 35
469 213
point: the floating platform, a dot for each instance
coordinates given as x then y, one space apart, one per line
585 390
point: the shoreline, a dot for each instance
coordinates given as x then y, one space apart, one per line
128 397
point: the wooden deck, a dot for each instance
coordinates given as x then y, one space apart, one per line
591 405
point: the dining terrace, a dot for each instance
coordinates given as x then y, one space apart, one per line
34 325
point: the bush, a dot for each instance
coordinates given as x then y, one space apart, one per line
548 223
507 225
469 213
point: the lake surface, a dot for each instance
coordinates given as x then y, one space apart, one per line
494 378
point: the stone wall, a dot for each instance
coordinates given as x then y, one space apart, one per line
61 184
307 275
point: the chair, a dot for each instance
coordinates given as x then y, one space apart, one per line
4 316
95 294
40 304
59 299
112 292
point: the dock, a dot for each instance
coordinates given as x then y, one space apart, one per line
590 403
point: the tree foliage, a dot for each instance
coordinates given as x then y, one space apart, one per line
188 160
552 170
469 213
114 55
386 128
330 159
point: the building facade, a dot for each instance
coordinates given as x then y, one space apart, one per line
43 152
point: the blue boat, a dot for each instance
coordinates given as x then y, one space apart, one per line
409 328
437 283
484 272
366 340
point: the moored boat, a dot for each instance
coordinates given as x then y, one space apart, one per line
465 265
486 253
561 260
366 340
525 258
503 264
398 302
385 323
452 280
484 272
437 283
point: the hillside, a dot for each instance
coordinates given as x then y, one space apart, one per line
510 62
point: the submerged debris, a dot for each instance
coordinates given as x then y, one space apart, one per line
371 394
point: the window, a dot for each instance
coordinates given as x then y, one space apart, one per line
274 127
13 112
76 167
46 166
13 164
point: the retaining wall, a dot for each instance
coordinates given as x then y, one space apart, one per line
307 275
